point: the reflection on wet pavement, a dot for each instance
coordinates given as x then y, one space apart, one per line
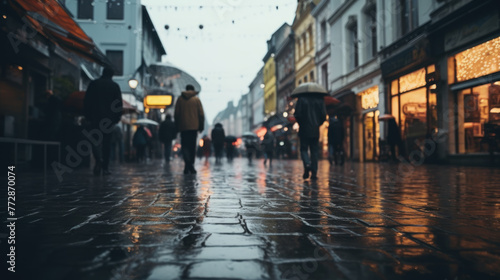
359 221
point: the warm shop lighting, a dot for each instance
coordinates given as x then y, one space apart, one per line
412 81
478 61
369 98
20 68
157 100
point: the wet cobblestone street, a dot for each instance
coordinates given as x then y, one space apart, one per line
241 221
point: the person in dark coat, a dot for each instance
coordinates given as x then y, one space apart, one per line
251 146
218 138
103 109
335 141
168 132
189 120
310 113
140 142
268 145
394 138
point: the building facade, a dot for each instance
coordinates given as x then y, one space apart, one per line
124 31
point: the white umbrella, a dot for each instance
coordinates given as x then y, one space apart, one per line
145 122
309 88
249 134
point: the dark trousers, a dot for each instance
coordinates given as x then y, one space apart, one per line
168 150
188 146
102 150
309 145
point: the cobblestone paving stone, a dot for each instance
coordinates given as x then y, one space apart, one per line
241 221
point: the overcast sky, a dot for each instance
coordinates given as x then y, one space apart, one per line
224 56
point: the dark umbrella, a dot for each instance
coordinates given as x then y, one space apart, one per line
385 117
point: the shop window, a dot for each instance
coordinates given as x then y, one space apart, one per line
414 114
394 87
478 107
85 9
115 9
414 107
412 81
478 61
116 58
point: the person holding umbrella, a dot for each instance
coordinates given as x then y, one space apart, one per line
310 113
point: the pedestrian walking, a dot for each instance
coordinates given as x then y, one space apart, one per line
335 141
310 113
251 146
268 146
230 150
140 142
189 119
218 138
168 132
103 109
207 147
394 138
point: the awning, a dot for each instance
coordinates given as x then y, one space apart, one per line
52 20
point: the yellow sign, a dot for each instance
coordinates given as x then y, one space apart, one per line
157 101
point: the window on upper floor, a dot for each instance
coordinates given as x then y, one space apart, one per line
305 79
116 59
311 75
311 37
115 9
85 9
306 39
324 73
352 42
370 13
407 16
323 33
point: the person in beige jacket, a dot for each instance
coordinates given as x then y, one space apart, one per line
189 119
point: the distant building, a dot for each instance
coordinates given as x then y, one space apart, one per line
124 31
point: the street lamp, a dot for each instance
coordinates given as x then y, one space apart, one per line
133 83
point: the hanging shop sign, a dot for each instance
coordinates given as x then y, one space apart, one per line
414 54
158 101
477 28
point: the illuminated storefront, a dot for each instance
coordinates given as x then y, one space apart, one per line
477 98
413 104
371 130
